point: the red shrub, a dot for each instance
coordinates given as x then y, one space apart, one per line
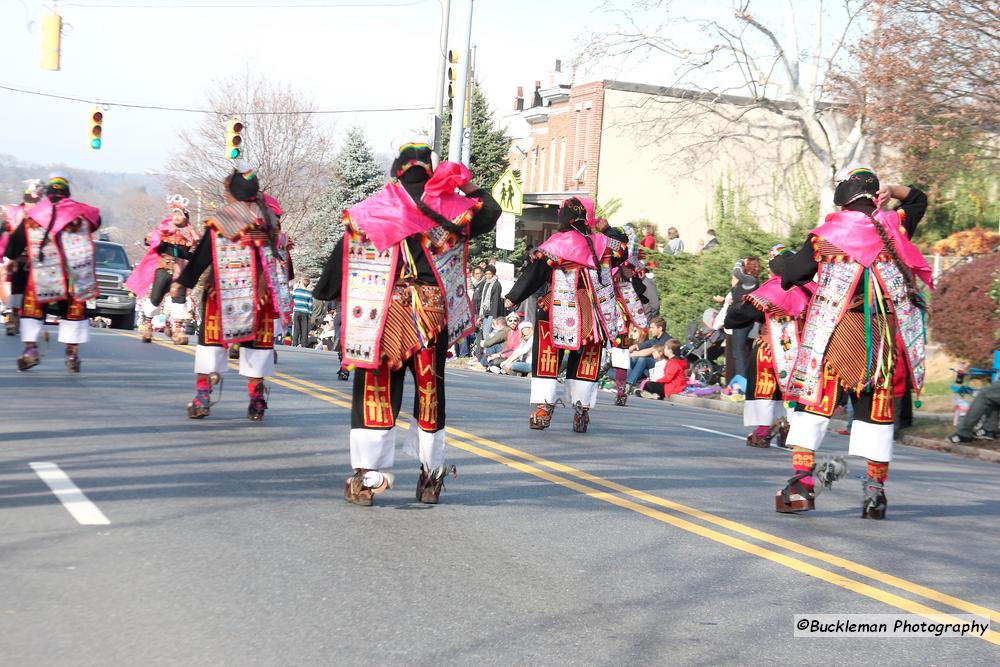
963 316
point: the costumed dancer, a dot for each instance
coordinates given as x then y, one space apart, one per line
866 307
170 246
242 295
400 273
578 315
56 237
781 313
14 272
630 291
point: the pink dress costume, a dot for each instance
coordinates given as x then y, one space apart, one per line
170 245
55 236
780 313
14 272
866 316
579 314
400 273
245 289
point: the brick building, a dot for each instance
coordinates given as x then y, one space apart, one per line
594 139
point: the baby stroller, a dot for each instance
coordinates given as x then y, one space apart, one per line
702 349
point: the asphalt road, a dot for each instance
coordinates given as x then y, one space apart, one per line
644 541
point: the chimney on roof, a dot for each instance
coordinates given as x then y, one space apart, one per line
536 101
558 66
519 99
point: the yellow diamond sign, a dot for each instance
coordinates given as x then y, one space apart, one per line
508 193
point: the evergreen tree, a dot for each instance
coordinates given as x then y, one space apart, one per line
354 175
489 160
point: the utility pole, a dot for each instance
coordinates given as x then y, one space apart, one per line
443 60
464 48
467 112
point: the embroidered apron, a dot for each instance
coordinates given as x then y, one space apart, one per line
365 294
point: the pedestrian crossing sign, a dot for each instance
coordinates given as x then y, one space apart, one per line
508 193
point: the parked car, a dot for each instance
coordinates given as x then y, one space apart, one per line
114 302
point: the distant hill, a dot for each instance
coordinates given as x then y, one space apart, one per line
130 203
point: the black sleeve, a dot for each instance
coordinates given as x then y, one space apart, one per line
801 267
328 286
288 263
17 243
742 315
485 219
914 207
536 274
200 260
174 250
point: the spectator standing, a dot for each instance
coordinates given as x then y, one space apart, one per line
675 245
302 311
476 296
652 305
490 305
746 272
641 354
712 243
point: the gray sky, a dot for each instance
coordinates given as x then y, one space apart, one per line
343 57
166 52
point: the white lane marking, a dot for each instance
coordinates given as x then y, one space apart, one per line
712 430
730 435
69 494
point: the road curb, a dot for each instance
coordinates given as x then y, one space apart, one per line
964 451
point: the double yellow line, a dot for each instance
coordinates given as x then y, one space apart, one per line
653 507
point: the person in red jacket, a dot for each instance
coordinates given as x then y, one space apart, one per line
674 377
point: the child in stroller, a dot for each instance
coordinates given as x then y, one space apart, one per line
702 349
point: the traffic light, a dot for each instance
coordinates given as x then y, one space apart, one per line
234 142
452 77
96 121
51 39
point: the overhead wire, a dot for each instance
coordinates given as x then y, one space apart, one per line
160 107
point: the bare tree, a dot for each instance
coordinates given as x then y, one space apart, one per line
934 96
743 80
282 141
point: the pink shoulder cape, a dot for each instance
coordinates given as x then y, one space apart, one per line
571 246
390 215
792 301
67 210
852 232
141 278
12 216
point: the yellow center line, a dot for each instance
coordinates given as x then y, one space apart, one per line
459 439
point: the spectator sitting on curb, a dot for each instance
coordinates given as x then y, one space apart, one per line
519 360
493 344
642 353
669 375
985 406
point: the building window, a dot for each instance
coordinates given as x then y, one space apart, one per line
562 165
552 166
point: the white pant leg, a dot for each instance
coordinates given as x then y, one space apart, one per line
178 311
872 441
74 331
759 412
807 430
543 390
256 363
210 359
374 449
430 447
30 330
15 301
584 391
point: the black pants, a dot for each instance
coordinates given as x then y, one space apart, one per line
300 329
428 400
161 286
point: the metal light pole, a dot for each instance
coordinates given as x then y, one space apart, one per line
467 115
442 72
455 142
